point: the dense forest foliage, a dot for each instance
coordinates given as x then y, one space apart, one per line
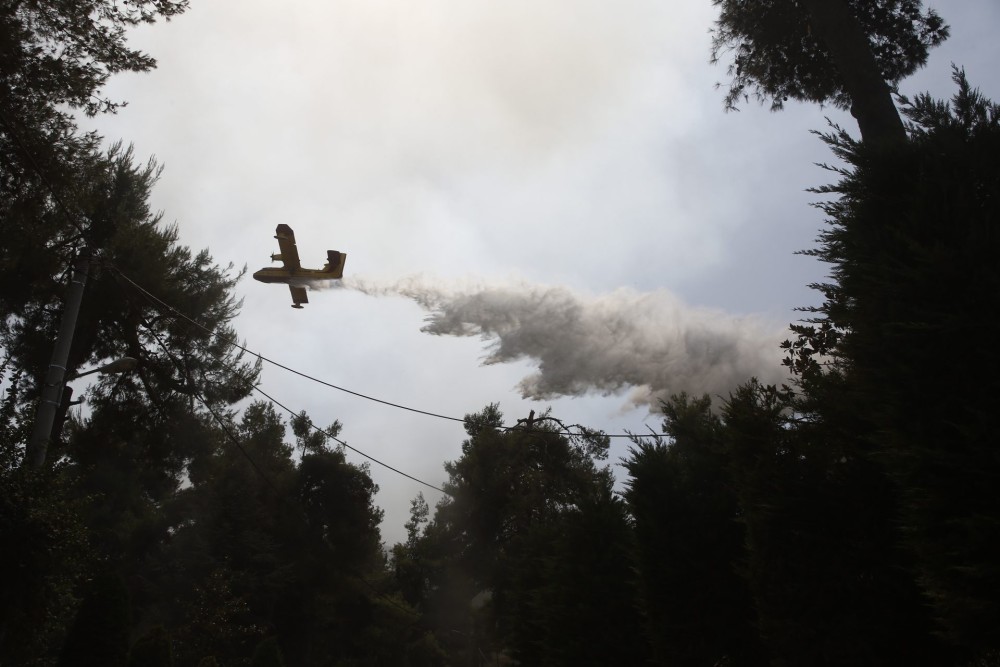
844 518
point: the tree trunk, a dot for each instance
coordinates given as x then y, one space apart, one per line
872 105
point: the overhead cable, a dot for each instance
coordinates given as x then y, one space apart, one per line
311 378
70 216
269 398
344 444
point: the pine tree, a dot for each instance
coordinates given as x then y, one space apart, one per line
510 563
850 53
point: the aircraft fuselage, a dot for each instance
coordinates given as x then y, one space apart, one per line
298 276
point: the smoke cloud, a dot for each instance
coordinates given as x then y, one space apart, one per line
650 343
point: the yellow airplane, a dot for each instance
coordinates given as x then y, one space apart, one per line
292 272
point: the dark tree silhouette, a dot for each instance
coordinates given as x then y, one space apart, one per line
850 53
152 649
100 634
912 245
529 553
690 542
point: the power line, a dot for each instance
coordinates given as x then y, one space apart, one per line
71 217
278 364
180 370
267 479
344 444
219 420
311 378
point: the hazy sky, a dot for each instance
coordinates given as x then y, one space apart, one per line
542 203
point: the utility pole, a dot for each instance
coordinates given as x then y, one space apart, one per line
52 389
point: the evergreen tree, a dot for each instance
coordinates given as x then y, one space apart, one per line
144 429
99 636
267 654
850 53
912 246
690 542
55 57
179 361
132 451
277 547
60 53
577 584
152 650
44 551
527 554
823 557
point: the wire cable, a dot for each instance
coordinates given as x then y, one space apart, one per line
306 376
270 483
267 478
180 370
344 444
218 419
311 378
72 219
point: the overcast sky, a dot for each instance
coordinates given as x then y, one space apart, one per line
542 203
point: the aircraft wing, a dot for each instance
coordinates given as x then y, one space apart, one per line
289 254
298 296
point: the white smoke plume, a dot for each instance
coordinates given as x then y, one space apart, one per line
651 343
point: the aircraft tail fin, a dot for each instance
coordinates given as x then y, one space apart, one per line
335 263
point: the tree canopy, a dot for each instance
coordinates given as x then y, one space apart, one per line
842 519
61 52
511 562
912 243
849 53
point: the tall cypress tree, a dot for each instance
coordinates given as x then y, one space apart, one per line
913 245
690 543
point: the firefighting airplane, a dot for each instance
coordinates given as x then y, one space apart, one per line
292 272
